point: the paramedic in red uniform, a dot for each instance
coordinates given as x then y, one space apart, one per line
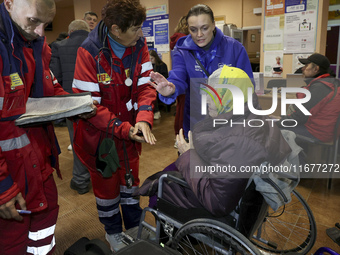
27 154
113 63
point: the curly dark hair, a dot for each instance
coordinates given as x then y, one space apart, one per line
123 13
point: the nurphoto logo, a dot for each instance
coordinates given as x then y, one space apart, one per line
238 103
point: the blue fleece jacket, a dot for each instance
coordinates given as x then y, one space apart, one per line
186 74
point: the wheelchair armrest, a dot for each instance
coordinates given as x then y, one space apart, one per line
170 177
306 139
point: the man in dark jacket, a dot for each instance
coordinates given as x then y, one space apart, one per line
63 61
323 104
91 19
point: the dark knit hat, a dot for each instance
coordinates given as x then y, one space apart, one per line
317 59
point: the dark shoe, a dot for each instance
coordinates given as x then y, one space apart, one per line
81 191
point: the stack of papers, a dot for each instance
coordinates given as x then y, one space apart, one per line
55 107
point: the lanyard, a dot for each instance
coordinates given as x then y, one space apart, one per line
205 64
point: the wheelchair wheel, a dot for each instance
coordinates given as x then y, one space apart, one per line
291 228
206 236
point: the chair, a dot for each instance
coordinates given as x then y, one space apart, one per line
332 147
276 83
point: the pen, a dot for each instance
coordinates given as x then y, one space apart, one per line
23 211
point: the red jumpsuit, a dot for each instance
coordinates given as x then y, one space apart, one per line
102 73
27 154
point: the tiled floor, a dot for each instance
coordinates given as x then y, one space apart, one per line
78 215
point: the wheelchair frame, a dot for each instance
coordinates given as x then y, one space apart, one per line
169 224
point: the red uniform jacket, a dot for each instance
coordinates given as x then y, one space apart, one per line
99 71
27 154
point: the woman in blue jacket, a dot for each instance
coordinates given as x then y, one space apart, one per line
195 57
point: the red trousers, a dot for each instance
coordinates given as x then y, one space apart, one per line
179 113
36 232
109 188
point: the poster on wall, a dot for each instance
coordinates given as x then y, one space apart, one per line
273 64
295 5
156 10
273 40
273 33
274 7
156 32
300 31
334 15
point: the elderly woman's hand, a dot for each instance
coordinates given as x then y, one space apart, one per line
182 144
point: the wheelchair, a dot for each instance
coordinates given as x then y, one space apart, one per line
252 228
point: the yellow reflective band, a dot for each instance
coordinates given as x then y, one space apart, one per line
103 77
15 80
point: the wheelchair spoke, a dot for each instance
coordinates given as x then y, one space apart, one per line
291 230
287 238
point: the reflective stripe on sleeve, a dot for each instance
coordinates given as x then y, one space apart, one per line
14 143
143 80
146 67
85 85
1 102
98 99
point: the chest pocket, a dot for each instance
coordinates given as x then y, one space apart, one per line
14 98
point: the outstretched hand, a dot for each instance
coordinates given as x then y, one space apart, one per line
141 133
182 144
161 84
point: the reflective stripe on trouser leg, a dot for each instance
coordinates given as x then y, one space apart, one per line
130 207
106 191
109 214
41 234
131 210
35 234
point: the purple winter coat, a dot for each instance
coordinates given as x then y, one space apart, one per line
237 146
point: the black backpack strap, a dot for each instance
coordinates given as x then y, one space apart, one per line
200 64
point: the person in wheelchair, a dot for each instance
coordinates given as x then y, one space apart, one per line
220 147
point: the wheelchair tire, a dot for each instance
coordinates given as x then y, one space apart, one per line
207 236
291 229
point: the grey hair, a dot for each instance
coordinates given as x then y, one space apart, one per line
78 24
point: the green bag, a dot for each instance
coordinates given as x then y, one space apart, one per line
107 161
